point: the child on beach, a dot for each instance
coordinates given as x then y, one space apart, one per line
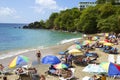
38 54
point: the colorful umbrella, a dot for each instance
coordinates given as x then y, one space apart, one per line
74 51
113 69
50 59
105 65
86 42
60 66
94 68
95 38
18 61
75 46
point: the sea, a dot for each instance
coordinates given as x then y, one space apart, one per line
16 40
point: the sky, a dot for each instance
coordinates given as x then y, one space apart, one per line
27 11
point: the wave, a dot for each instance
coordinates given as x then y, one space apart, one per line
68 40
18 52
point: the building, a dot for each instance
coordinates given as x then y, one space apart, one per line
117 2
86 3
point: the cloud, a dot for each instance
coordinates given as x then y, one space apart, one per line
46 5
51 4
5 11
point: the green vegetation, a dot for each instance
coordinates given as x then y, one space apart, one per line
104 17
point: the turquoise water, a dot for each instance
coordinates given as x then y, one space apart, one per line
12 38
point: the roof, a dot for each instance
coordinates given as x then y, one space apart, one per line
88 0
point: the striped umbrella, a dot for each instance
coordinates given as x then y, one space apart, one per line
18 61
60 66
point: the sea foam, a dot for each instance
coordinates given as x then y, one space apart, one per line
18 52
68 40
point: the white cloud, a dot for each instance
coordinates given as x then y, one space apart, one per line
5 11
45 5
51 4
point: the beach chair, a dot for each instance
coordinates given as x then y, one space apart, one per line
118 59
111 58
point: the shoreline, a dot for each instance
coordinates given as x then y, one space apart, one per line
51 50
6 54
14 52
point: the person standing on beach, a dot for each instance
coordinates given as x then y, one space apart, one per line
38 54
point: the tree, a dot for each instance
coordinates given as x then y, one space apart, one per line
42 23
110 24
50 21
101 1
105 1
88 20
106 10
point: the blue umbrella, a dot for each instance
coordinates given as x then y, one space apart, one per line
50 59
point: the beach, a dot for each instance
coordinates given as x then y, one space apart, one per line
42 68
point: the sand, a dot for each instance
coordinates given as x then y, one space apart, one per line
103 57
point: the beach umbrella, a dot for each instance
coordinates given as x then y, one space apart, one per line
60 66
105 65
74 51
18 61
75 46
108 44
86 42
93 68
95 38
114 69
50 59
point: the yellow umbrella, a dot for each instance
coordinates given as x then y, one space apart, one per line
108 44
74 51
86 42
